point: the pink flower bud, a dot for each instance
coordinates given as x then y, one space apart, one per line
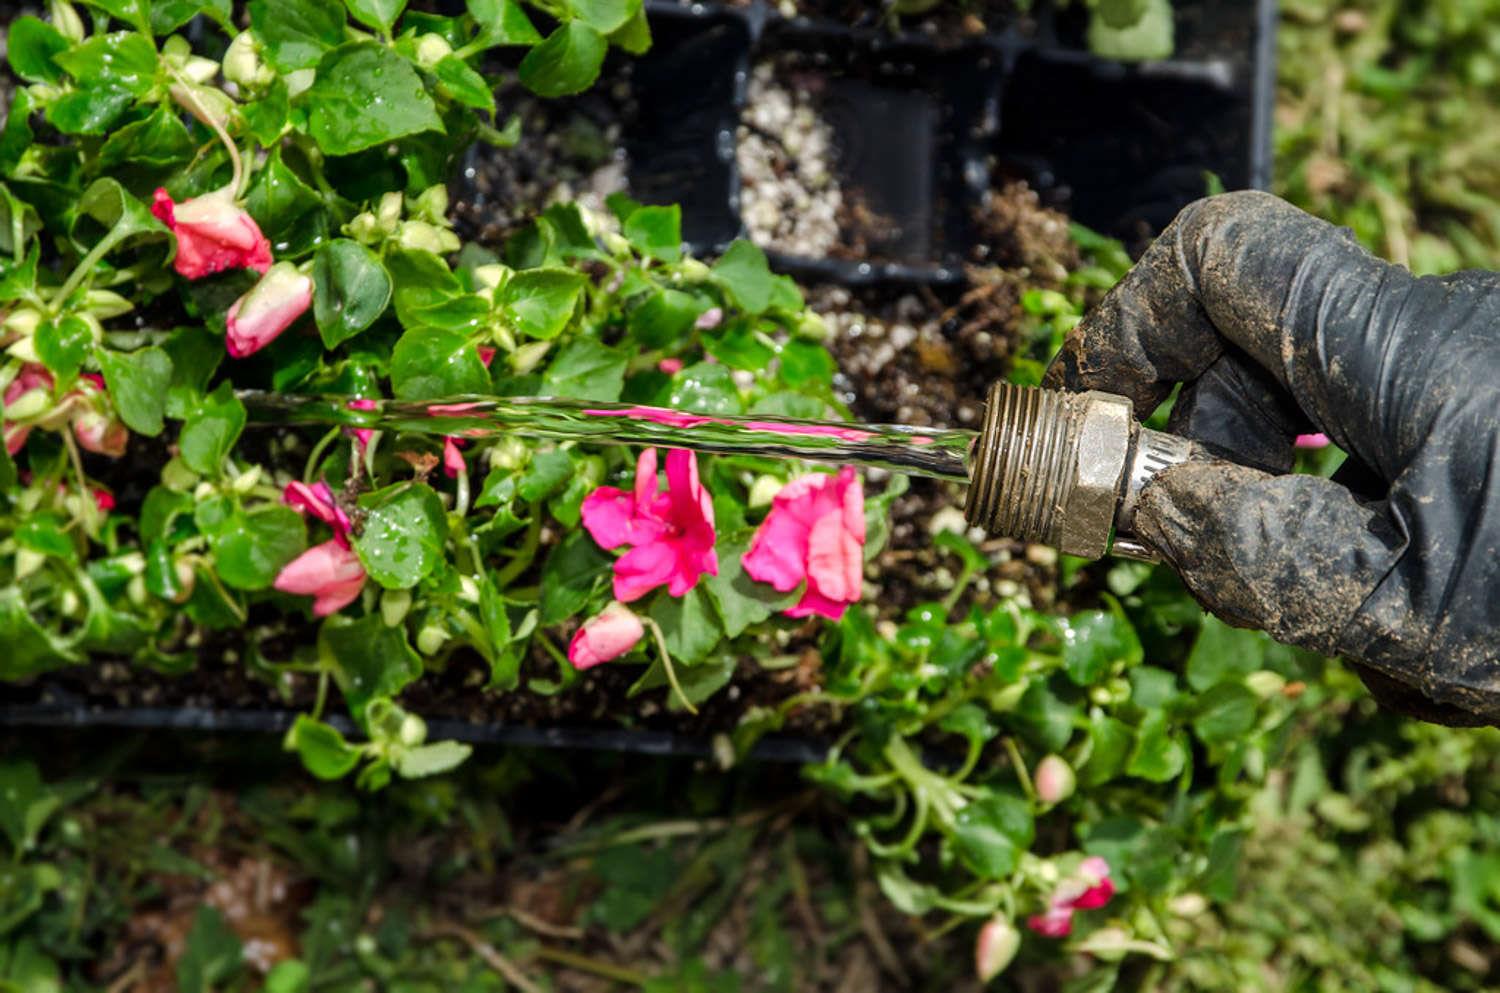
1057 922
995 948
101 434
605 637
1312 441
453 459
269 308
213 234
709 319
1054 780
670 366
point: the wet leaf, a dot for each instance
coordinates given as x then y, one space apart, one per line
404 533
366 95
567 62
350 290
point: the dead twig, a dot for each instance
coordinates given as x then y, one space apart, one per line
507 969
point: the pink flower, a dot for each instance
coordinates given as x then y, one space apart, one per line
486 354
453 459
815 533
670 366
1312 441
672 532
709 319
267 309
330 573
318 500
34 383
1090 889
104 500
605 637
362 436
213 234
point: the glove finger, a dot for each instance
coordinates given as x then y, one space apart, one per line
1295 556
1239 412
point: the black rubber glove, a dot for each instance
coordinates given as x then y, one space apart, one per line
1279 324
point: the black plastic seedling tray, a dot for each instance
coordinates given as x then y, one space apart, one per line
926 127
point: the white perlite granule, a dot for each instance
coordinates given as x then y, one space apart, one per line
791 197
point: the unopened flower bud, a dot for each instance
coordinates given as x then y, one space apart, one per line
243 65
299 81
104 304
490 277
210 105
65 19
413 731
764 490
432 203
509 453
389 211
394 605
101 434
29 405
268 308
1007 697
247 480
197 69
529 356
187 578
995 947
1054 779
432 49
28 562
203 491
70 604
430 639
365 229
24 349
693 271
22 322
616 244
468 589
812 327
136 591
421 236
1265 684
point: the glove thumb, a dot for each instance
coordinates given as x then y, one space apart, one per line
1294 556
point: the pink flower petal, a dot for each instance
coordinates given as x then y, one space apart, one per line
605 637
1312 441
330 572
670 366
835 560
267 309
643 569
607 515
645 479
778 552
317 500
1055 923
213 234
813 602
453 459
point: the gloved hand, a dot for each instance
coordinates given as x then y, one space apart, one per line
1279 324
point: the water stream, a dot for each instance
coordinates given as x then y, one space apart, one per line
941 453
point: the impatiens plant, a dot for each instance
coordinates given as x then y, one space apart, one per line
176 229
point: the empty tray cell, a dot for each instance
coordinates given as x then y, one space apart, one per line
1122 149
688 92
861 152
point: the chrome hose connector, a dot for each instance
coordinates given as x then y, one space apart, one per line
1065 469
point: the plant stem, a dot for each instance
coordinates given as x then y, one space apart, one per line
525 553
1022 773
310 470
666 664
583 963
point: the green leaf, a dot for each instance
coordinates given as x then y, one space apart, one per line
369 660
464 84
705 388
740 601
367 95
1158 755
664 318
62 345
569 576
688 625
989 834
404 534
169 15
267 117
137 383
746 277
160 141
350 290
545 475
428 363
635 35
123 61
212 955
290 213
430 760
502 22
585 369
251 547
288 976
806 364
17 278
1225 713
29 649
323 750
1093 641
567 62
25 803
30 46
132 12
296 33
380 14
656 231
1110 745
540 302
90 110
211 430
1222 653
604 15
738 347
124 219
1148 35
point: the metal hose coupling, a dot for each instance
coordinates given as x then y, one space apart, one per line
1065 469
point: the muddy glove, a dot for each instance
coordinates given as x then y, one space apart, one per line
1279 324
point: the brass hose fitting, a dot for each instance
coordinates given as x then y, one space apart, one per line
1065 469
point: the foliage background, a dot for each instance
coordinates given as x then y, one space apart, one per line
1374 859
